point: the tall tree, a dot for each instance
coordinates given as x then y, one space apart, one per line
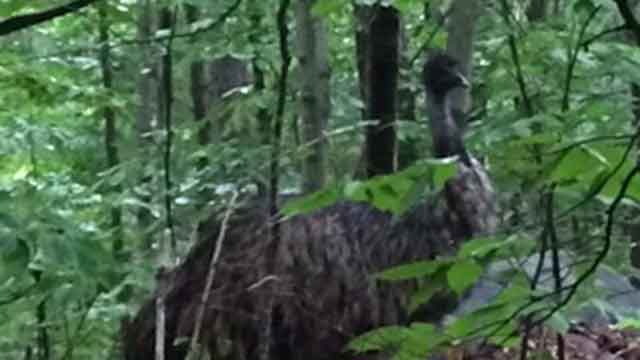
146 107
460 29
377 50
198 87
110 135
315 100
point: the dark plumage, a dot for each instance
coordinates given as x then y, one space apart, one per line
307 294
442 74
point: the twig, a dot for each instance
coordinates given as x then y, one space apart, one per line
586 43
167 79
513 47
605 247
194 348
24 21
574 59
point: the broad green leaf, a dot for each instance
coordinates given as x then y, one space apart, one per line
307 204
463 274
481 247
558 322
443 170
436 283
379 339
421 339
327 7
414 270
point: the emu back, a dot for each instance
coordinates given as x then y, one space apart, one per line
306 296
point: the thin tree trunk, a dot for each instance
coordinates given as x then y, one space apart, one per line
633 38
460 28
378 62
225 74
407 147
146 109
537 10
110 135
262 114
199 90
167 21
315 100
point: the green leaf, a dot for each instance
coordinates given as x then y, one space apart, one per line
325 8
578 163
463 274
558 322
307 204
444 169
414 270
420 340
436 283
378 339
481 247
404 5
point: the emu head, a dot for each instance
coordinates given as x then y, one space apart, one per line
441 74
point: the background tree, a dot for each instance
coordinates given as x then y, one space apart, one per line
551 110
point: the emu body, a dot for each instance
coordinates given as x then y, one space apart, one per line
307 294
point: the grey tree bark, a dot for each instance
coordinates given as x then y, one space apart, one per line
147 82
198 78
315 104
225 74
460 29
407 147
110 132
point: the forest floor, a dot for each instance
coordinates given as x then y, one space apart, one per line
580 343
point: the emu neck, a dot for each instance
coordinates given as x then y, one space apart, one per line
446 136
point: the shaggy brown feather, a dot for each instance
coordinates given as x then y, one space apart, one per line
316 285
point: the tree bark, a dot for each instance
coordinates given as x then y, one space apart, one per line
110 132
460 28
225 74
407 147
377 46
315 100
198 86
167 21
536 10
146 84
259 84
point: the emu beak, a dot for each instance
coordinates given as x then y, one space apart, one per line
464 83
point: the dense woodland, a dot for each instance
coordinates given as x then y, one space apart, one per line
276 179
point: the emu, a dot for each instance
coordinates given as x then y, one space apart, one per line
307 295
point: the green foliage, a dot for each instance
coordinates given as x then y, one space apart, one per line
57 194
395 193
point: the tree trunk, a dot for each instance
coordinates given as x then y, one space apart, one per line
225 74
199 89
407 147
377 46
110 135
262 114
460 28
634 92
536 10
146 109
165 104
315 99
